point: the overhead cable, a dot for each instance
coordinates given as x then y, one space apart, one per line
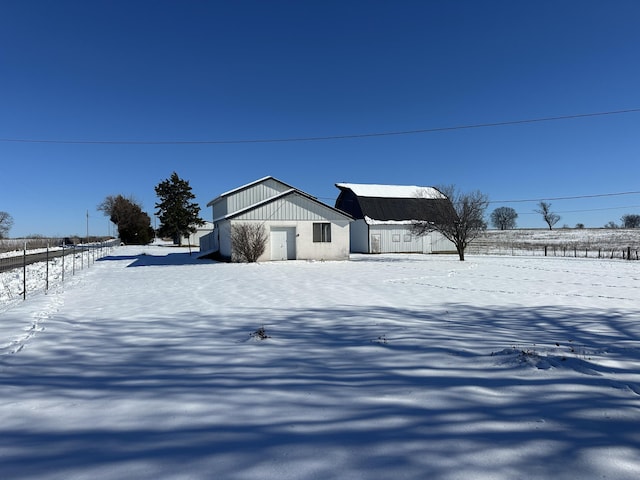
319 138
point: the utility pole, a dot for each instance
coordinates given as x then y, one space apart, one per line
87 226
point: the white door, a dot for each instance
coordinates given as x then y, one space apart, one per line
283 243
375 243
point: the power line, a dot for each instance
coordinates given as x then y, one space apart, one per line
617 194
586 210
320 138
567 198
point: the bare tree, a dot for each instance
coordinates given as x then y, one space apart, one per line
248 242
6 222
544 208
611 224
630 220
504 218
459 217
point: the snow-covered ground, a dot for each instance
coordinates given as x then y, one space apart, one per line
150 365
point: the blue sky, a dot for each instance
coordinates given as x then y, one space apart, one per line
175 71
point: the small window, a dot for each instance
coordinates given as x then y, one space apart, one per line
407 237
322 232
395 237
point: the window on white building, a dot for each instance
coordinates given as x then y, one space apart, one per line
321 232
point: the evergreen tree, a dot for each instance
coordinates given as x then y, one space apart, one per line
178 215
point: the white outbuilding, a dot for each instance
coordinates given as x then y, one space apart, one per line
194 238
383 216
298 225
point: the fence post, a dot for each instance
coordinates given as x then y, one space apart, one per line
46 272
24 272
545 250
63 255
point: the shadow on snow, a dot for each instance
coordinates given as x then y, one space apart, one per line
372 393
148 260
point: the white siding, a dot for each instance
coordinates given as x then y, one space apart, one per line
244 198
224 238
291 207
194 238
294 213
439 244
305 247
209 242
219 208
399 239
337 249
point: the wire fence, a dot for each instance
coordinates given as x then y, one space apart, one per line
621 253
31 272
595 243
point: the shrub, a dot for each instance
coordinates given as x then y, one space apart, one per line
248 242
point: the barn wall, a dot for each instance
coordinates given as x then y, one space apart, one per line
194 238
440 244
399 239
209 242
359 236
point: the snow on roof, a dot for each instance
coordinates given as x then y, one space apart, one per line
391 191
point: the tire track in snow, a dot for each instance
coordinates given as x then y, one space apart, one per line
511 292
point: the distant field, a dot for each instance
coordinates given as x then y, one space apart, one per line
19 244
588 242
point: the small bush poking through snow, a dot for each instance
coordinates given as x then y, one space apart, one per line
260 334
382 339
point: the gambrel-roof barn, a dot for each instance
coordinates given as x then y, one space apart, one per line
384 214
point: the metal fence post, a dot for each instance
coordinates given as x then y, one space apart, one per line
24 272
46 271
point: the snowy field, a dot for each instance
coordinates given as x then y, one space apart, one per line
586 242
150 364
